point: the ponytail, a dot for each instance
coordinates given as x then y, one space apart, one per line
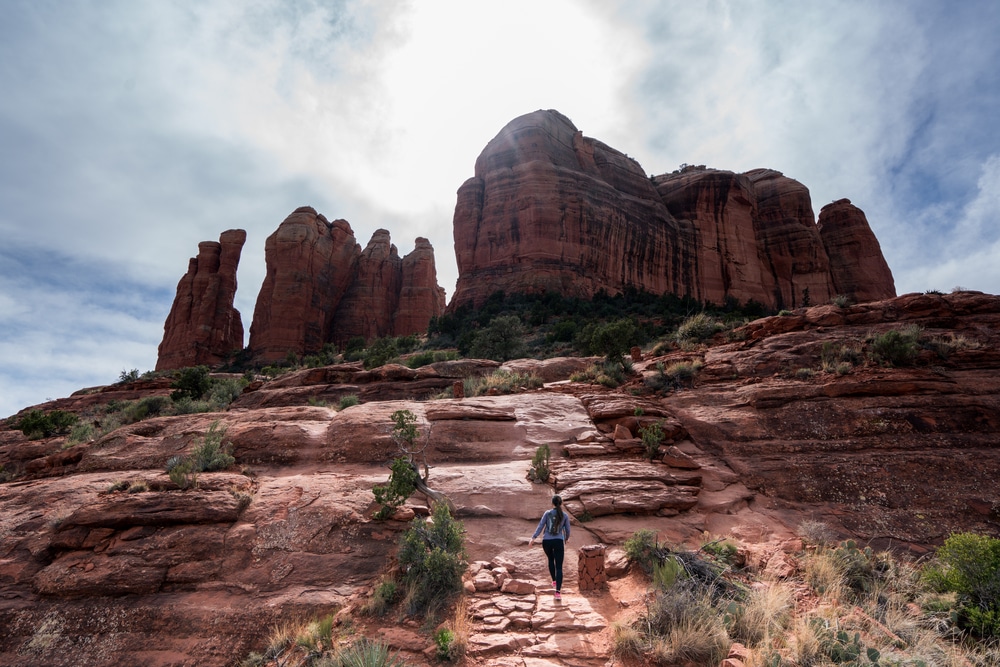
560 515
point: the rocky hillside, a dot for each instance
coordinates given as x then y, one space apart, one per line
320 288
551 209
106 561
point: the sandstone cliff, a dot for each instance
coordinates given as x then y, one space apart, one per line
203 327
551 209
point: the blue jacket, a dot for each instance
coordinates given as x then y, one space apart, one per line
562 533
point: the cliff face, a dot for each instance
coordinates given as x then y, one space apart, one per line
856 263
550 209
321 287
203 327
310 265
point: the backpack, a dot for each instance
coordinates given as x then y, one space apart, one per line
550 523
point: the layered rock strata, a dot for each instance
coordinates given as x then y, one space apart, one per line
551 209
203 327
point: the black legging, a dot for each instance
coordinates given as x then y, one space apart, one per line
554 550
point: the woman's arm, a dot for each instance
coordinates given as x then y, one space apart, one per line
538 531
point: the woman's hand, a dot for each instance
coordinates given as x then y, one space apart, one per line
531 541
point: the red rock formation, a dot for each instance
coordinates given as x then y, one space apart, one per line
321 287
203 327
368 307
789 241
310 265
856 263
420 296
550 209
721 208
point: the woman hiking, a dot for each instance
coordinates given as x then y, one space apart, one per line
555 524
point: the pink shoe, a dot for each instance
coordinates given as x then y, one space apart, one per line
558 595
553 584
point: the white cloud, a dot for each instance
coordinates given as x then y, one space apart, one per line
132 131
966 248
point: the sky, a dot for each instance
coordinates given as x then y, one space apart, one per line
132 130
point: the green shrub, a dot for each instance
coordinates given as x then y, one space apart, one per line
839 357
401 485
444 640
347 401
641 548
969 565
224 391
384 596
841 301
607 374
611 339
501 381
652 436
128 376
896 347
211 454
191 383
182 473
138 486
563 331
501 340
82 432
432 554
431 356
37 424
676 376
326 356
698 328
722 550
187 406
539 471
381 352
421 359
363 653
354 347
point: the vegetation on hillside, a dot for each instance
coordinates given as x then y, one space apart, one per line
845 605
